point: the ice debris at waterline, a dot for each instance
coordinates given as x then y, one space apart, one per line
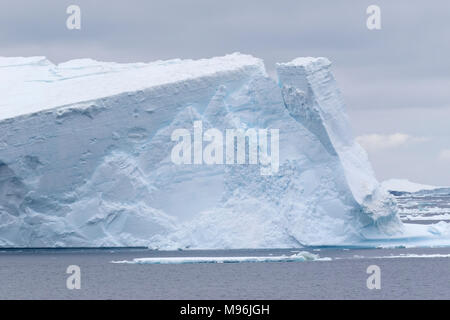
298 257
85 157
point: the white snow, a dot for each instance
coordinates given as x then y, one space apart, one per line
299 257
85 157
34 84
405 185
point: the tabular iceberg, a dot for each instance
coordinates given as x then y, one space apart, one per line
85 157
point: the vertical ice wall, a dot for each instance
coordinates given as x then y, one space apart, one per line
313 98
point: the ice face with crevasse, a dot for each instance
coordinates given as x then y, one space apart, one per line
85 157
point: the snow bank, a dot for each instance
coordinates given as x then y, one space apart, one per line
85 157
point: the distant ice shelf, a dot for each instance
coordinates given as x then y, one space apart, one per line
404 185
414 256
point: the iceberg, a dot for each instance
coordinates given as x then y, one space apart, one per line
85 157
404 185
424 210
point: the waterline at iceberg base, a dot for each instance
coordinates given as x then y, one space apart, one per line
85 159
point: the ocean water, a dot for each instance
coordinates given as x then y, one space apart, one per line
405 274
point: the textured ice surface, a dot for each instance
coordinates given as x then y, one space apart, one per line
85 157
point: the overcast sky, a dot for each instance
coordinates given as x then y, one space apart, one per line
396 81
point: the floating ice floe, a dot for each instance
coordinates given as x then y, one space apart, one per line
299 257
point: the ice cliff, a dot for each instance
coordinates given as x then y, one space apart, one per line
85 157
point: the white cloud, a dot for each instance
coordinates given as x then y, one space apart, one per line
374 142
444 155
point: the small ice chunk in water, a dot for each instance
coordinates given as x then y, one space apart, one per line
298 257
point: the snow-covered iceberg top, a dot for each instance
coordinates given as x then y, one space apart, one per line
34 84
310 64
85 157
